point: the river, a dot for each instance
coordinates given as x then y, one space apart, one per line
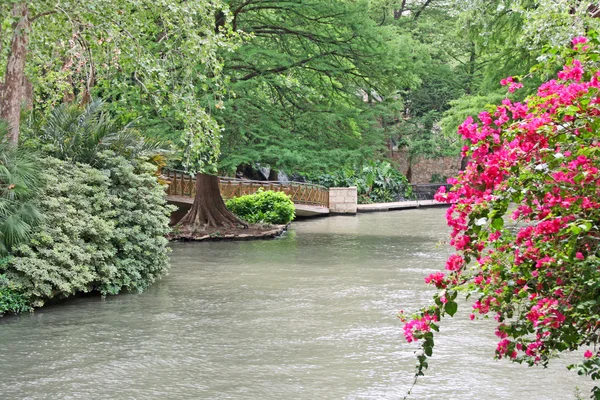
310 315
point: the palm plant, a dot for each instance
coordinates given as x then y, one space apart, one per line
19 181
79 133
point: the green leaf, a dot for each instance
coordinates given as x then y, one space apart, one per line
428 351
451 307
498 223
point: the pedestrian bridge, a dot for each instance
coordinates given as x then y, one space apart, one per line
309 199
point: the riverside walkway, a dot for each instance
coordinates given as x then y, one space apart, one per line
399 205
309 199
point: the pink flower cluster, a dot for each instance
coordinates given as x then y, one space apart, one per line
573 71
415 328
455 263
436 279
512 85
580 40
546 312
537 161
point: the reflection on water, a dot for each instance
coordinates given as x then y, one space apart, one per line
308 316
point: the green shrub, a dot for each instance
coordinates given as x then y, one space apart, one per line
263 207
12 299
375 181
103 231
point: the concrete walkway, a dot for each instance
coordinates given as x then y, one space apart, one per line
303 210
400 205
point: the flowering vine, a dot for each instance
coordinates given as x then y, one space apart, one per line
525 216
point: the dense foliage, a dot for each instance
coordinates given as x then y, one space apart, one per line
12 299
525 221
156 61
19 181
376 182
103 231
299 86
80 133
304 82
264 206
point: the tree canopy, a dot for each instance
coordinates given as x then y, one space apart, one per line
157 61
304 84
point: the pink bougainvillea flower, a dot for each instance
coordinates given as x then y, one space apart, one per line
537 161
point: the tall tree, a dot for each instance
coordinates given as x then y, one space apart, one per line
12 91
304 82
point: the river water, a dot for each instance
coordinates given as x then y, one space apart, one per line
310 315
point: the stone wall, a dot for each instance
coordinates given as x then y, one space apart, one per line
343 200
423 168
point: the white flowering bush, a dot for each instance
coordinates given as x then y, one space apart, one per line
104 230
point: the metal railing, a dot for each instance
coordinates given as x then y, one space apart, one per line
426 191
182 184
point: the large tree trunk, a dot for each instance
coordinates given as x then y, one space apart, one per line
209 209
12 96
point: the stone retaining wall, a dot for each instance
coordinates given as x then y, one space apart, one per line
343 200
423 168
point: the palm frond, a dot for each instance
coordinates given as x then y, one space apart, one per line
19 182
78 134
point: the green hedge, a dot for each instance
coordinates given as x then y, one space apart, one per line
104 230
264 207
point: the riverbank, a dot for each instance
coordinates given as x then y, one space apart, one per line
253 232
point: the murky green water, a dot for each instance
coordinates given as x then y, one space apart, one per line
307 316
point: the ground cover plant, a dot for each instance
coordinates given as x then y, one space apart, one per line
525 219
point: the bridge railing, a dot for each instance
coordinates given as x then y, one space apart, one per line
182 184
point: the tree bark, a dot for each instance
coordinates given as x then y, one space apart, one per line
12 96
409 173
418 13
209 208
398 13
273 175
